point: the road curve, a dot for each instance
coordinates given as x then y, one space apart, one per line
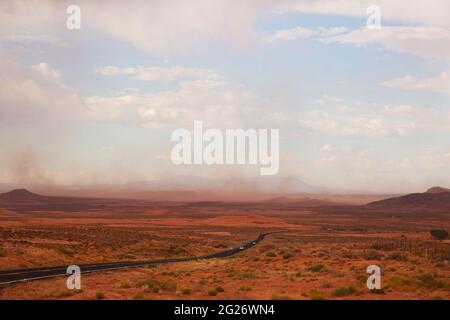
19 275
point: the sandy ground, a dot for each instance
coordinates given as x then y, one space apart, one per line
318 255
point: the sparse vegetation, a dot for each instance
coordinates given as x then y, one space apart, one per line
243 288
316 295
343 291
212 293
219 289
373 255
156 286
429 281
316 268
281 297
186 291
439 234
284 266
139 296
100 295
396 256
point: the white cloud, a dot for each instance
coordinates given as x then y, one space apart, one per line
110 71
301 32
326 99
440 83
292 34
174 27
47 71
328 148
376 121
422 41
431 12
324 160
31 94
25 39
161 74
168 27
216 102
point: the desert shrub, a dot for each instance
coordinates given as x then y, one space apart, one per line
139 296
67 251
316 295
425 280
320 252
220 289
343 291
126 256
243 288
267 247
439 234
281 297
373 255
247 274
100 295
378 291
157 286
348 255
203 282
337 273
431 281
287 255
174 251
271 254
377 246
396 256
316 268
2 252
220 246
185 291
362 277
125 285
212 293
67 293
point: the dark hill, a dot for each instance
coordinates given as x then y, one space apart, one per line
437 190
436 198
19 194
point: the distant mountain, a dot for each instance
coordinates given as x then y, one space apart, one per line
19 194
436 198
437 190
303 202
179 183
270 184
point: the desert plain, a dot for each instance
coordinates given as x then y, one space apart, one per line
317 251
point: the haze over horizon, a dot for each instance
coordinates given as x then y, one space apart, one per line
357 109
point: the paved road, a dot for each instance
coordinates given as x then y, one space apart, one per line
18 275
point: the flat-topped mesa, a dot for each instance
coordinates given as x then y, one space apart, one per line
437 190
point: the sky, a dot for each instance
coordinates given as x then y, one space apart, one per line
357 108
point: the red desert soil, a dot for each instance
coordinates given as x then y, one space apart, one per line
321 253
